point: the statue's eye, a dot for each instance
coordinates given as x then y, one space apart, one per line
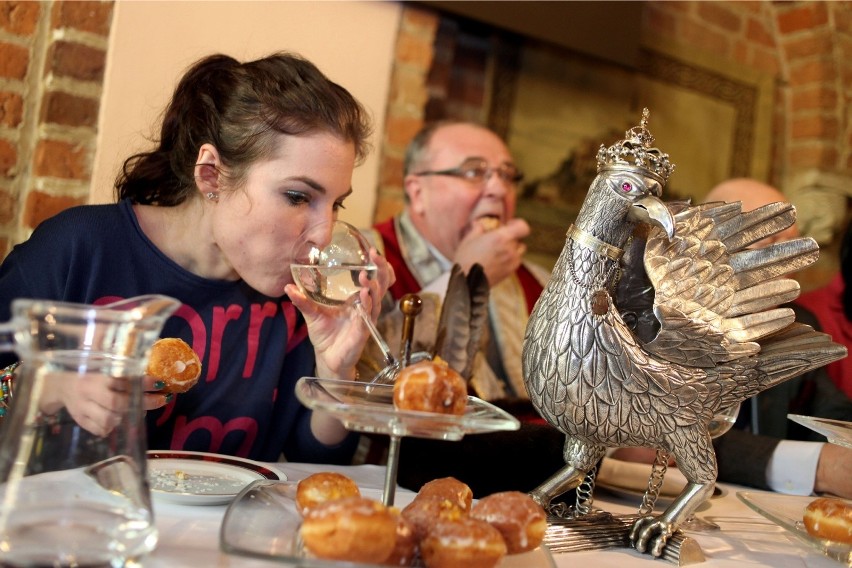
626 185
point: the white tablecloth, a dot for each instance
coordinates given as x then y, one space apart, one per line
189 535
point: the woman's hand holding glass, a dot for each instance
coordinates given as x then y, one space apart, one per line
336 309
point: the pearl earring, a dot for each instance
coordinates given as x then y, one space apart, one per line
212 196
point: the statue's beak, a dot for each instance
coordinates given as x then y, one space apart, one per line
653 211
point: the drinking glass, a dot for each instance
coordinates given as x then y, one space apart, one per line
329 261
723 420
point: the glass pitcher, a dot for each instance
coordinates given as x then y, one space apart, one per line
73 484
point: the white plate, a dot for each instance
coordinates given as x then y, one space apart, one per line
788 511
837 431
262 522
629 480
200 478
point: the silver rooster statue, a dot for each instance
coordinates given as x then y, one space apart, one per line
711 333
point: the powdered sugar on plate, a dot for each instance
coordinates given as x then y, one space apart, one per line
201 479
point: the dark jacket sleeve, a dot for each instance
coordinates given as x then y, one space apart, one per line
743 457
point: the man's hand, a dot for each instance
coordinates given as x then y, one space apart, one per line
499 252
832 474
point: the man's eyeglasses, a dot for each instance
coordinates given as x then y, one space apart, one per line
478 171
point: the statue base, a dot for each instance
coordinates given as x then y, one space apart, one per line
600 530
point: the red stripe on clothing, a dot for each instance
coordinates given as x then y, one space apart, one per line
405 283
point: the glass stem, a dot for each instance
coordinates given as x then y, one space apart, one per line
389 358
389 492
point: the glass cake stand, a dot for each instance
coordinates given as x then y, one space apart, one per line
368 408
837 432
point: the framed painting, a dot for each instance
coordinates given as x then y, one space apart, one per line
556 108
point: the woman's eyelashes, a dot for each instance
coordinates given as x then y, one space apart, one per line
297 198
316 198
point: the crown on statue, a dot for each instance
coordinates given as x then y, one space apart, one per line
635 152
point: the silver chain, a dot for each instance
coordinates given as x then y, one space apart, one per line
655 482
573 274
583 503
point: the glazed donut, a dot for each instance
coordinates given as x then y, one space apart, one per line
355 529
520 520
829 518
448 488
424 512
465 542
175 363
405 550
324 486
430 386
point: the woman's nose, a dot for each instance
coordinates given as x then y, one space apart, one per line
317 235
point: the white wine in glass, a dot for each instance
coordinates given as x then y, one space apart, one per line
331 285
328 264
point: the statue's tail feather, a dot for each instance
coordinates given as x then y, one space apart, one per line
796 350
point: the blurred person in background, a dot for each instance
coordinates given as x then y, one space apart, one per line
832 307
461 185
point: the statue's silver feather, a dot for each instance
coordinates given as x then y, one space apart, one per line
479 290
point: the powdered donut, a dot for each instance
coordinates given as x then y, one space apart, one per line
355 529
405 550
430 386
465 542
424 512
520 520
448 488
489 223
175 363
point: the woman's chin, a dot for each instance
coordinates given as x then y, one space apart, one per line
271 288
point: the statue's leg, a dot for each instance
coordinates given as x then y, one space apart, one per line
563 480
696 459
580 458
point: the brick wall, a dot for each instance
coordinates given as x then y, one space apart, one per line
52 59
805 45
407 99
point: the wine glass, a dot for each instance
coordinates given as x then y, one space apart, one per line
329 262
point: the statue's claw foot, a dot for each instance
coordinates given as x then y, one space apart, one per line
651 531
